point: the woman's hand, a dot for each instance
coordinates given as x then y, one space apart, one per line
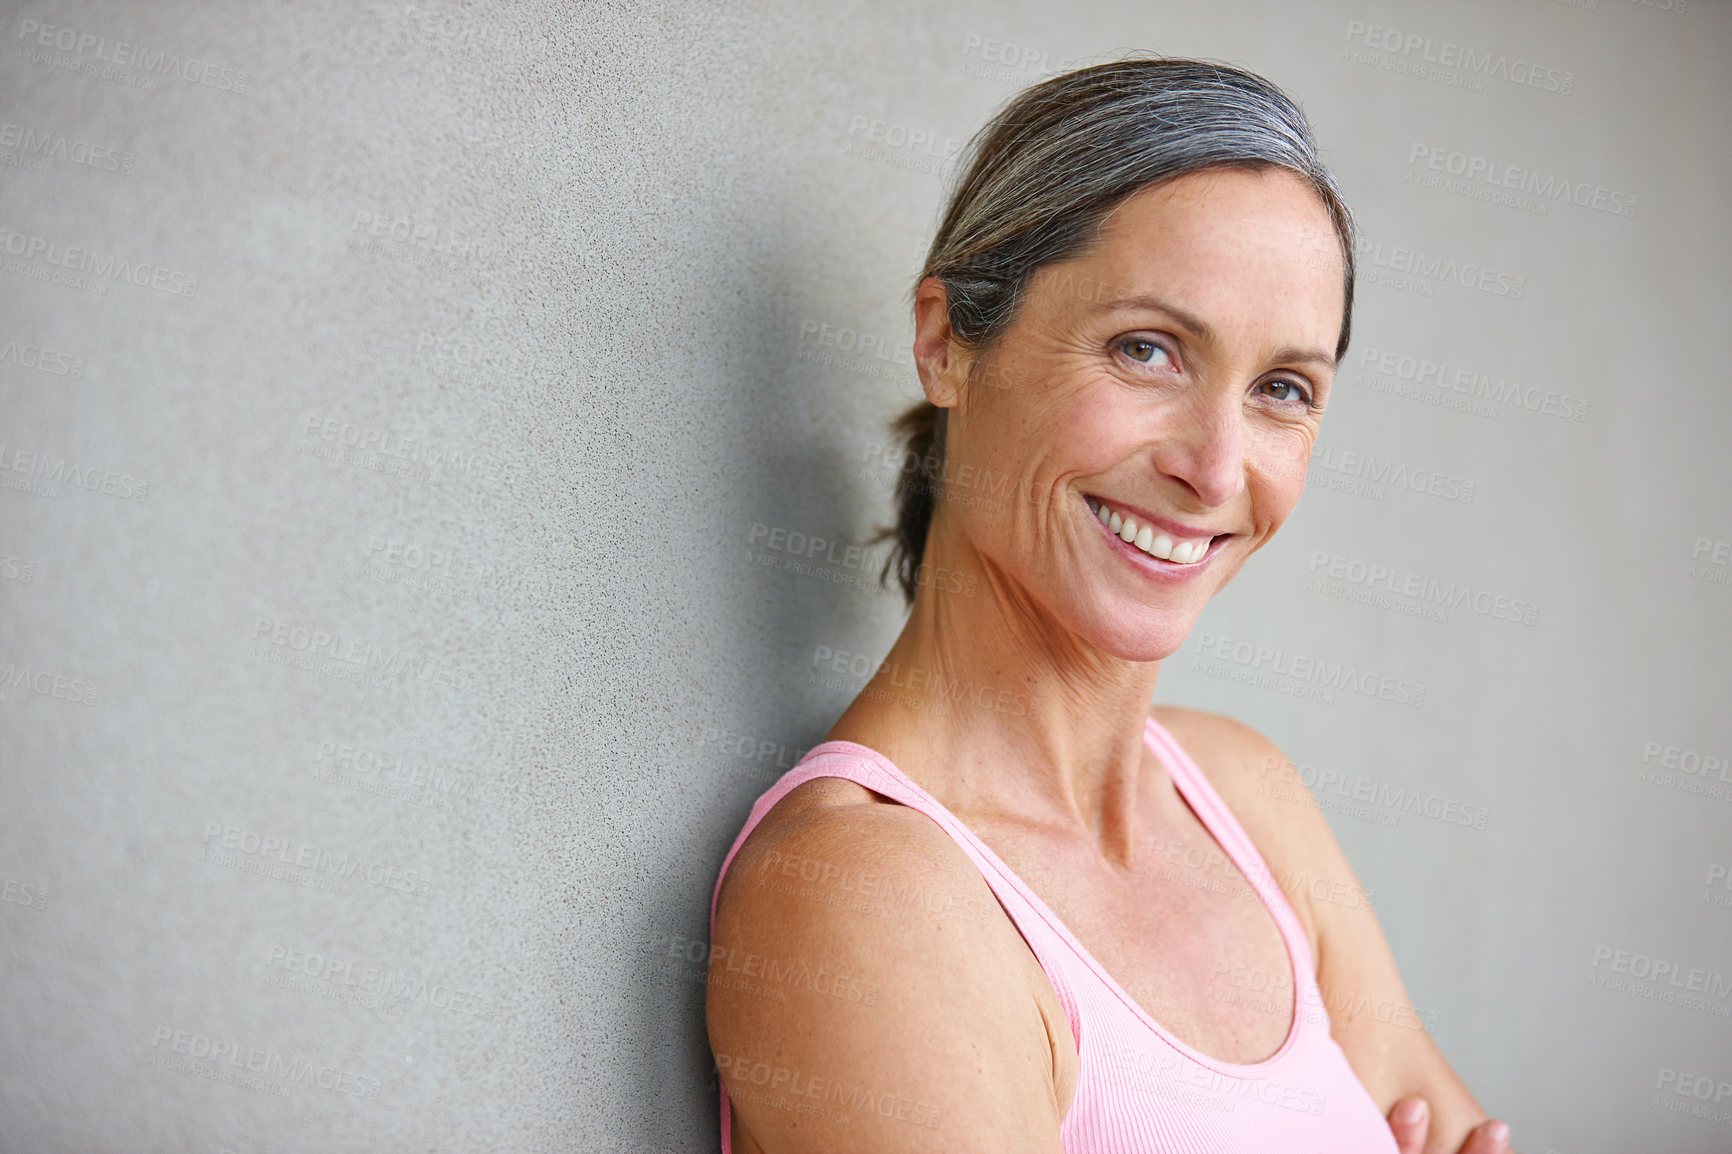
1410 1121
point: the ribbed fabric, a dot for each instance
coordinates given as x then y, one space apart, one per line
1140 1090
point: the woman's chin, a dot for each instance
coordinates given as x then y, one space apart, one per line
1143 634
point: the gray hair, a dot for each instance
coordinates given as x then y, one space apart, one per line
1040 179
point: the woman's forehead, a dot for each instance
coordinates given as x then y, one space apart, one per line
1218 246
1271 210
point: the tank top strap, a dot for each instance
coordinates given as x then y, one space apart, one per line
1140 1087
1212 810
1046 936
864 766
831 759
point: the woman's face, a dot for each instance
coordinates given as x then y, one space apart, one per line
1172 376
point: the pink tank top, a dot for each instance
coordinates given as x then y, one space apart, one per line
1140 1090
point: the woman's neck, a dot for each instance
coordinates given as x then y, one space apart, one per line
996 710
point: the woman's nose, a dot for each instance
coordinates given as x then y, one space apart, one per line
1204 448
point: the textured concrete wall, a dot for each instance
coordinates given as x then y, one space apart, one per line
389 396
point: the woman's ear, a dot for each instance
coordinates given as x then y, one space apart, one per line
942 361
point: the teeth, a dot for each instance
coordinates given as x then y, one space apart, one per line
1185 551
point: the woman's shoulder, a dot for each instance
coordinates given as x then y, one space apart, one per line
836 864
1250 773
830 827
831 959
1238 760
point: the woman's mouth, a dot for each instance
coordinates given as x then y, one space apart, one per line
1157 543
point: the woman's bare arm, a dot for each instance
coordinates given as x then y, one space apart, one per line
1371 1016
847 1015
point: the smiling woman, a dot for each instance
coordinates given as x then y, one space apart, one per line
1006 906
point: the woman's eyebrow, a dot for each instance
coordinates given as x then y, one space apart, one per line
1293 353
1202 329
1115 304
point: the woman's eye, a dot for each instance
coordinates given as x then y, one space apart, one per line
1146 351
1285 391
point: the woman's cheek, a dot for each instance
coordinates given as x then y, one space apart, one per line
1282 456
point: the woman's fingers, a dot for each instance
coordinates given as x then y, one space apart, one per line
1410 1121
1489 1137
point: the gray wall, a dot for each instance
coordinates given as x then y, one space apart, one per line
389 655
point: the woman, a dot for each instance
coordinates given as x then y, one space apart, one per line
1007 907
